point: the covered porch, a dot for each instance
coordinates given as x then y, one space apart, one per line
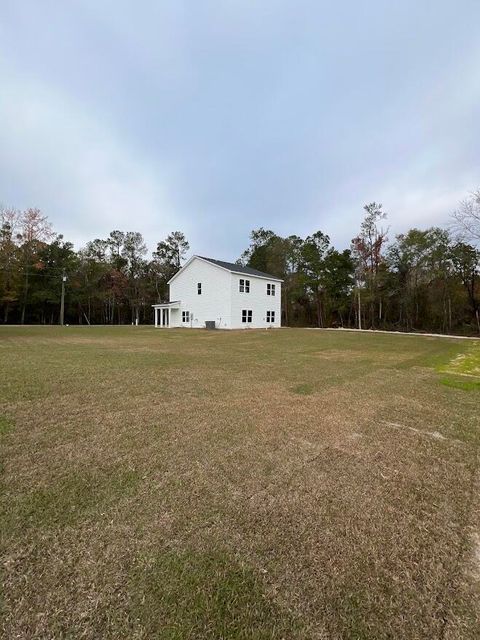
163 313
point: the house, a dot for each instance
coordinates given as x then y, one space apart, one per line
228 294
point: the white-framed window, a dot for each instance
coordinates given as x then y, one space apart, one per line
244 286
270 289
270 316
185 316
199 288
246 315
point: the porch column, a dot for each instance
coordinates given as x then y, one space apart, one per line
155 316
168 317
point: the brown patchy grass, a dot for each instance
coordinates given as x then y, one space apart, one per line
252 485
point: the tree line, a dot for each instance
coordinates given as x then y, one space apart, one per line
422 280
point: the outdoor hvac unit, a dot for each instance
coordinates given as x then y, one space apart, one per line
210 324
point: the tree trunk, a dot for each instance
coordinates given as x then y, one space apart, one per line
319 310
24 305
359 308
285 306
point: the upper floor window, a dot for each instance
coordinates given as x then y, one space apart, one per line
185 316
270 289
244 286
270 316
199 288
246 315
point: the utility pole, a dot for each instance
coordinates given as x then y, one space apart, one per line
62 302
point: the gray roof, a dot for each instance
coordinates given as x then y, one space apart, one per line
238 268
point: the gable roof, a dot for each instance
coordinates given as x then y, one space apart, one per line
238 268
230 266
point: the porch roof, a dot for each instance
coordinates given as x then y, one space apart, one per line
175 304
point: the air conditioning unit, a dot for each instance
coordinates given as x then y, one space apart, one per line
210 324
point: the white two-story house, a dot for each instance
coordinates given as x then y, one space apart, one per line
230 295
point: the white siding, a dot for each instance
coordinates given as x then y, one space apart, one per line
221 300
257 301
214 301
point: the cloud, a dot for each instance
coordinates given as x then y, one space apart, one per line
60 158
219 118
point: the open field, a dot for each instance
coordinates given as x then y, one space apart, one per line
256 485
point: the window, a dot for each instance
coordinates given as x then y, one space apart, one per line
246 315
185 316
244 286
270 316
270 289
199 288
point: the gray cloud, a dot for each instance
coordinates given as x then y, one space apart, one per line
215 118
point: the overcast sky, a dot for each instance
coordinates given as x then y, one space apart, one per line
218 117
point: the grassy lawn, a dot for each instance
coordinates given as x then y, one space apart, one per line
256 485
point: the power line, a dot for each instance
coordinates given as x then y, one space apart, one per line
32 273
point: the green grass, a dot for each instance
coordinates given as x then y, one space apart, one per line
465 385
463 370
5 426
67 501
466 363
203 595
261 484
303 389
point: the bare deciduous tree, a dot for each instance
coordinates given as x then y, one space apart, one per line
34 230
367 250
9 282
467 217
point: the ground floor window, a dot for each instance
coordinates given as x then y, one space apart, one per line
270 316
246 315
185 316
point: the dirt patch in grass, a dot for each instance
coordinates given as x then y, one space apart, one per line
337 355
